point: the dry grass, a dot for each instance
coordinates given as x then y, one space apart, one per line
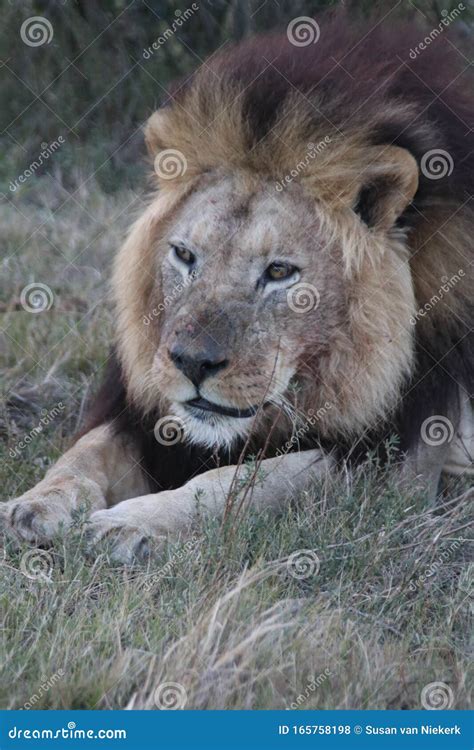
225 620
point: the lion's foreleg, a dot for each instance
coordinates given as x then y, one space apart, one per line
269 486
99 470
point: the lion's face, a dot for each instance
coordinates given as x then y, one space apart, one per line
251 289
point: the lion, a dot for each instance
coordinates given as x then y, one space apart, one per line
298 289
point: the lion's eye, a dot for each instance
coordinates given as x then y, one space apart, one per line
184 255
279 271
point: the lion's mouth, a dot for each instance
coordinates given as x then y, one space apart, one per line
227 411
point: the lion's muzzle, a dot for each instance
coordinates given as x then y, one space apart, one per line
198 363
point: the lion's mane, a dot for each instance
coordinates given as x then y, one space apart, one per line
255 107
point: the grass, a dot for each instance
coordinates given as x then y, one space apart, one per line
224 616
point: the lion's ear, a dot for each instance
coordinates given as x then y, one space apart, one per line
388 185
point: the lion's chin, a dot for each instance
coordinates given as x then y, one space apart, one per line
211 430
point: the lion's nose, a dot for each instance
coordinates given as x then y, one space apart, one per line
197 365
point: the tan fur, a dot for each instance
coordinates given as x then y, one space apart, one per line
132 523
101 469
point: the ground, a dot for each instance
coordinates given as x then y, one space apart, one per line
357 598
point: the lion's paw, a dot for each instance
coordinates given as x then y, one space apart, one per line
38 515
125 542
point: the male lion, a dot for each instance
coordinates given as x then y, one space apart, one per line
298 289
